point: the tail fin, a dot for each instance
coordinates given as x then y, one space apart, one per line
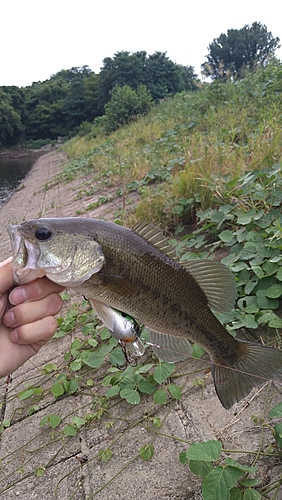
254 367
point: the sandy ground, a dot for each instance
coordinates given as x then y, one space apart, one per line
42 462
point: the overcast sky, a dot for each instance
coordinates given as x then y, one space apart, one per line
39 38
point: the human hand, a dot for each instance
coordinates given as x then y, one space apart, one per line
27 319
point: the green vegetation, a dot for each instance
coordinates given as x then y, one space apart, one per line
75 97
206 165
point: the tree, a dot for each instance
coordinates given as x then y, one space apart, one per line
10 121
125 105
230 55
157 72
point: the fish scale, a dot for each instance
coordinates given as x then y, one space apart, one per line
136 272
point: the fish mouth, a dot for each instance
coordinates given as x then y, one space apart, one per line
25 257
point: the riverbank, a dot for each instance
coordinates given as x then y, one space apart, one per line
43 461
29 200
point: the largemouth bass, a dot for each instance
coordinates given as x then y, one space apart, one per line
136 271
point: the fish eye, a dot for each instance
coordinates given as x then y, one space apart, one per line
43 233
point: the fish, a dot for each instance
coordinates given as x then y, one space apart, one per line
137 271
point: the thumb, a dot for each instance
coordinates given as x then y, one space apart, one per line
3 304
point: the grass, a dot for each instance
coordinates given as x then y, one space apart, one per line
176 150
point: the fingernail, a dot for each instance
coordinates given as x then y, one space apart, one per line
17 295
9 318
14 336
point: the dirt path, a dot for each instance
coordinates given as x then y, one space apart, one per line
41 462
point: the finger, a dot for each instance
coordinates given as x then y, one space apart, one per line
5 262
35 290
36 334
6 276
3 305
28 312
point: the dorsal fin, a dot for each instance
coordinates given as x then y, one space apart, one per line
216 280
154 235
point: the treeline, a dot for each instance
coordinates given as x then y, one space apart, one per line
58 106
127 86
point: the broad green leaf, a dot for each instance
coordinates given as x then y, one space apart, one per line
116 357
279 274
146 386
94 360
54 420
236 494
276 411
175 391
207 451
160 397
245 468
73 386
105 334
251 494
257 270
75 365
26 394
246 218
76 344
249 482
130 395
105 349
197 351
270 267
144 368
157 422
70 430
130 381
249 321
226 236
163 371
248 304
92 342
275 323
112 391
200 468
44 421
274 291
78 421
183 458
57 390
147 451
265 302
219 481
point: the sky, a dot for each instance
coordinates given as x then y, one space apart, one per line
40 38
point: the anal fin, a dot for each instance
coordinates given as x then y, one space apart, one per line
169 348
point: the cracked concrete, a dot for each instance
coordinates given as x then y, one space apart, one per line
41 462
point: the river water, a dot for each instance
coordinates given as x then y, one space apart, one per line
12 172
